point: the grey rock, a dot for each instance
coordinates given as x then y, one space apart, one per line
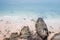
36 37
25 33
41 28
14 36
6 39
56 37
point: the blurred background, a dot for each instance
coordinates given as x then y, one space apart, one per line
14 14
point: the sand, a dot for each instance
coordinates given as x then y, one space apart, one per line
9 24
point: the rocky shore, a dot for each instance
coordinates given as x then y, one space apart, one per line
42 32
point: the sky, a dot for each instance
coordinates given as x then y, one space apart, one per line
40 8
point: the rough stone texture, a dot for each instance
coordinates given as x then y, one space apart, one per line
25 33
6 39
36 37
13 36
41 29
56 37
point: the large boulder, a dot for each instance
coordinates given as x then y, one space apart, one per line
56 37
41 28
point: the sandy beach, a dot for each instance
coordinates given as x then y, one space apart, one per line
15 24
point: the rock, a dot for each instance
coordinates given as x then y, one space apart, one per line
14 36
25 33
41 28
36 37
6 39
56 37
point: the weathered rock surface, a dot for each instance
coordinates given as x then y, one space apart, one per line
13 36
36 37
25 33
6 39
41 29
56 37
